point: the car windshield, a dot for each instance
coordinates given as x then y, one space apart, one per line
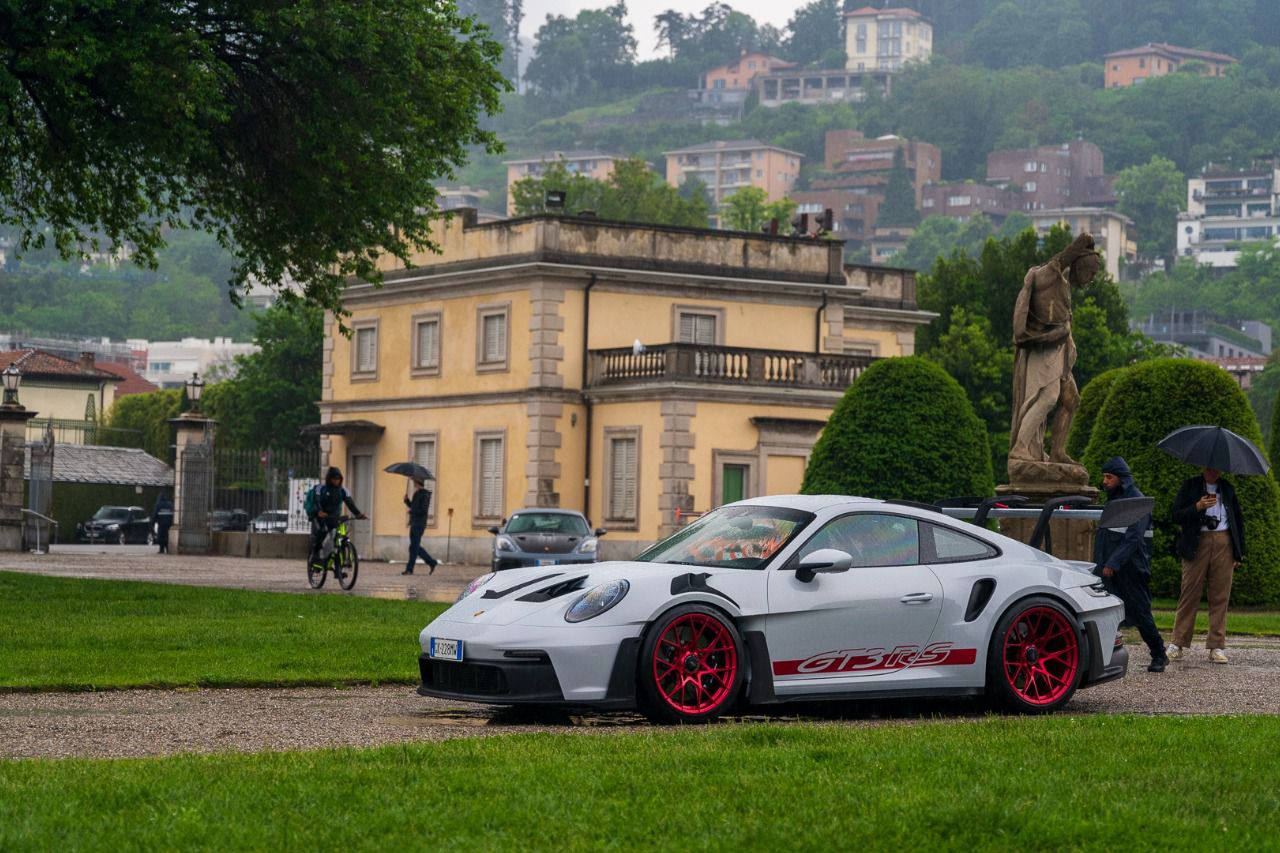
111 513
548 522
739 537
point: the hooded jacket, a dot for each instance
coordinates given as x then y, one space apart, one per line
1125 549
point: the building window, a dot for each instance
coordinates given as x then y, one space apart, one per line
959 200
364 349
1030 187
492 340
488 484
928 202
1029 166
422 449
426 344
622 467
704 326
735 476
1142 63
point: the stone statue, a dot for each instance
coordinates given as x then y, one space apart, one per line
1044 354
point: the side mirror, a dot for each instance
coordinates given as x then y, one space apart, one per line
600 531
823 561
493 530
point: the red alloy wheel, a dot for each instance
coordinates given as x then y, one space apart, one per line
1041 656
695 663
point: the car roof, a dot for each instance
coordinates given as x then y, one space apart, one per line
809 503
548 511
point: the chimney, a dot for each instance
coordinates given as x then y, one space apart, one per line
86 360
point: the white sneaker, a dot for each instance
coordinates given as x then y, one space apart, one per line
1173 652
1217 656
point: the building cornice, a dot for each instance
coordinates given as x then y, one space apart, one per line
411 286
451 401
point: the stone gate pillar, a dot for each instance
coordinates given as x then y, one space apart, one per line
13 454
190 534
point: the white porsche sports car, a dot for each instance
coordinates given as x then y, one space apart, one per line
780 599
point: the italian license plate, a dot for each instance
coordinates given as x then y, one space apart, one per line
442 649
547 562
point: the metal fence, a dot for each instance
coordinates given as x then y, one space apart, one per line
38 527
248 484
66 431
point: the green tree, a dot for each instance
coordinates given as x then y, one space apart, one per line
815 31
275 390
146 418
633 193
983 366
1092 396
904 430
593 50
899 205
745 210
306 137
1151 195
1152 399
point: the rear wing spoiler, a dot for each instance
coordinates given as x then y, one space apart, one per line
1119 513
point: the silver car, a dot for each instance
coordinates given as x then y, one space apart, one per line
544 537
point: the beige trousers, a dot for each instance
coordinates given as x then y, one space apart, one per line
1215 562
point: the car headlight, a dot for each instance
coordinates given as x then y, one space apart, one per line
588 546
504 543
113 527
474 585
596 601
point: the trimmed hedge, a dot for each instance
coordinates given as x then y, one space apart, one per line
1146 403
904 430
1092 396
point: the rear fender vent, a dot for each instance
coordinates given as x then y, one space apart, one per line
978 598
556 590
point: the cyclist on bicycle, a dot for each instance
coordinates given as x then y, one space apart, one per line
325 509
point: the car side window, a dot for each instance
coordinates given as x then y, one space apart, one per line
944 545
872 539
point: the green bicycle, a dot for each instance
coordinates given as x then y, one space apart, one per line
342 560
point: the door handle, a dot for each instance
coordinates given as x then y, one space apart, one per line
917 598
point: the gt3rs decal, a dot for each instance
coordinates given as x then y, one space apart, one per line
863 660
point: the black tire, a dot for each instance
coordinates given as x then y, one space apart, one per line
680 680
1035 658
346 564
316 572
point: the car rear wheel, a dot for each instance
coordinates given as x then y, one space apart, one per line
1033 665
316 572
347 565
691 665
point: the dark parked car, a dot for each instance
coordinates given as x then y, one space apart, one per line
120 524
228 519
544 537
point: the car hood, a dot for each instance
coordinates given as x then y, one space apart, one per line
547 592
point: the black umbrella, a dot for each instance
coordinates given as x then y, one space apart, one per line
1215 447
410 469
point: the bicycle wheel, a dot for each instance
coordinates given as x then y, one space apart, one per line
316 572
347 565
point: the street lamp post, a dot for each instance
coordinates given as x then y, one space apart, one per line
195 387
12 380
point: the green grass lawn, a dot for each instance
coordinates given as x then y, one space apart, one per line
1248 621
1058 783
71 634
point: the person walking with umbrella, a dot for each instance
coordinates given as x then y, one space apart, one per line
419 506
1211 540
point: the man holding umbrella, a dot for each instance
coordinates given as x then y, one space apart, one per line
1211 540
419 506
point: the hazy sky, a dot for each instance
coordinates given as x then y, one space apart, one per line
641 13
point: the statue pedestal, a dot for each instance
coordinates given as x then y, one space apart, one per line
1071 538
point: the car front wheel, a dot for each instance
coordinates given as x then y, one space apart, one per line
691 665
1033 664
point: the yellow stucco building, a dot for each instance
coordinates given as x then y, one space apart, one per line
638 373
